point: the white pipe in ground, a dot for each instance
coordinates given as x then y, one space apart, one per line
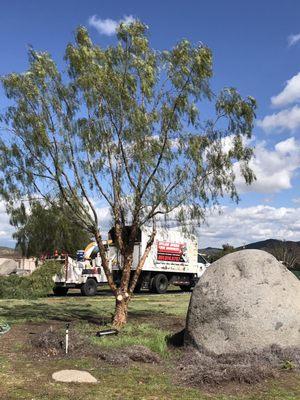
67 338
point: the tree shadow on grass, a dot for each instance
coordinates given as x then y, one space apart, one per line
33 312
106 292
40 312
94 312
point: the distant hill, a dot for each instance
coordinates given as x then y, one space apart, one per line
269 245
8 252
210 251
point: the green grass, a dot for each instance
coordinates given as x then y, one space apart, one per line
297 273
98 308
137 334
150 319
134 383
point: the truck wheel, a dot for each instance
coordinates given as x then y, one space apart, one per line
89 288
186 288
159 284
138 287
60 290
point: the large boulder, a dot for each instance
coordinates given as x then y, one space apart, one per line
245 300
8 266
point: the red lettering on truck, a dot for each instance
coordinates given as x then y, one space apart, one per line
170 251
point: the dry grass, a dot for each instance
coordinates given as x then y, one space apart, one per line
202 368
196 369
135 353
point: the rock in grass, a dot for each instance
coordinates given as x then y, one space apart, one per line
8 266
246 300
73 375
4 327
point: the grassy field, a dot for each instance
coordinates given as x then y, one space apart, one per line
297 273
25 375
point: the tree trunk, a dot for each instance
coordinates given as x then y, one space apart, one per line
105 262
124 292
121 311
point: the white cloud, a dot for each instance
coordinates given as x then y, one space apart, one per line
288 119
6 230
293 39
104 218
108 26
235 225
290 94
239 225
274 169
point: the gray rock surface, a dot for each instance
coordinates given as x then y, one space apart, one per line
73 375
8 266
246 300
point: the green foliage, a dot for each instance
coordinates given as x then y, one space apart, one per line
42 230
124 128
297 273
38 284
288 365
4 327
226 249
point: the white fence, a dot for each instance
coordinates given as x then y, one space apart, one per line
27 264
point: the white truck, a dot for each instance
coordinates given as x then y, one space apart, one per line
85 275
173 259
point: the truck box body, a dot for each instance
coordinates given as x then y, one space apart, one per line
172 251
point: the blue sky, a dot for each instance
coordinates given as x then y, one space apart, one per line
256 49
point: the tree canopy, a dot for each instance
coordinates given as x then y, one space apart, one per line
129 127
42 230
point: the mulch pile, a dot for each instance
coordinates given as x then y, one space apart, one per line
202 368
51 343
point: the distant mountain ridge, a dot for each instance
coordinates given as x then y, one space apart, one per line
210 250
256 245
269 245
8 252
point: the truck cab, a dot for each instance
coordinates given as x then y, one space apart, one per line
203 264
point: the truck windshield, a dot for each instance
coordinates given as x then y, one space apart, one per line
201 259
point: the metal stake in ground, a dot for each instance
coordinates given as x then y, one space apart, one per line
107 332
67 337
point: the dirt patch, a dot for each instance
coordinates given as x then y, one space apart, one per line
169 323
229 372
19 337
128 354
200 369
51 343
142 354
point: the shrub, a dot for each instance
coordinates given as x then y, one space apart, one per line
38 284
